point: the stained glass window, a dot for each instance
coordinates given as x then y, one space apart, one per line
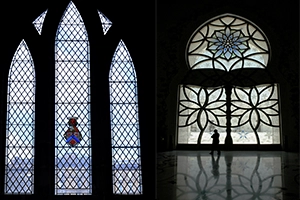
73 169
38 22
106 23
20 131
228 42
126 157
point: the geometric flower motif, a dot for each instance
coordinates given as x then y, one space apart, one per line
202 107
228 43
243 134
259 106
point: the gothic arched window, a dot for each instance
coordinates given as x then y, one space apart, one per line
20 123
225 54
62 140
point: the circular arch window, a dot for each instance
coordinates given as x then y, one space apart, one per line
228 42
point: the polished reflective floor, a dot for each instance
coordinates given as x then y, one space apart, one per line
238 175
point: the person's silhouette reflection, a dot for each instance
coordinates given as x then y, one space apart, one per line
215 166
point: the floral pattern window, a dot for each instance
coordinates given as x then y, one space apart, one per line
20 124
39 21
228 42
236 103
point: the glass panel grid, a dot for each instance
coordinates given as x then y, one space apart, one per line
38 22
73 170
19 159
126 161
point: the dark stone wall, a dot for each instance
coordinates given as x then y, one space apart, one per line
177 20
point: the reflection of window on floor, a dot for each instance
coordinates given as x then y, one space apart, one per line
124 124
20 123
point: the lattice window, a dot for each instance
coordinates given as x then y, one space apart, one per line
72 99
126 158
19 157
106 23
38 22
228 42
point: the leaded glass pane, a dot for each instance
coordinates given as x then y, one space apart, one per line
73 169
19 157
126 158
106 23
38 22
201 110
255 113
228 42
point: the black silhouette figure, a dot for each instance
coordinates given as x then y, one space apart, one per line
215 143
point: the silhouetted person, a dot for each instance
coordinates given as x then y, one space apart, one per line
215 143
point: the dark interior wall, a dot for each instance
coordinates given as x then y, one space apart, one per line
177 20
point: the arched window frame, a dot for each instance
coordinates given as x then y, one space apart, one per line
44 140
222 52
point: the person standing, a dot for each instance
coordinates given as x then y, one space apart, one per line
215 143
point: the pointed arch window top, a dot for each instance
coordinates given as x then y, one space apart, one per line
38 22
228 42
106 23
69 26
122 68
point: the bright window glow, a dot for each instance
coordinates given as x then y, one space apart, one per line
126 158
228 42
19 159
106 23
38 22
73 170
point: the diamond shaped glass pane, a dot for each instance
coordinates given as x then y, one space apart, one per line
126 166
106 23
19 157
73 170
38 22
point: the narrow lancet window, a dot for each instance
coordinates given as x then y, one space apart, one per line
126 157
106 23
19 156
39 21
73 169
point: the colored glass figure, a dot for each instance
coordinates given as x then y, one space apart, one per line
72 135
